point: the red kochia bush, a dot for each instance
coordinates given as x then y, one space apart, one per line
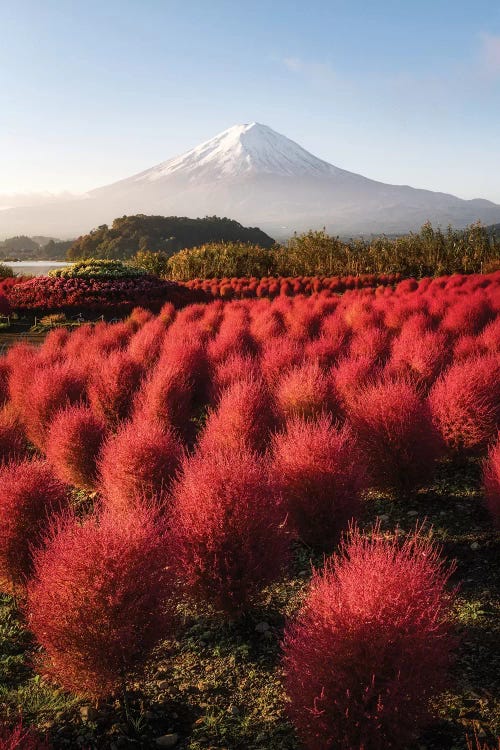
492 482
321 475
101 598
113 385
74 441
349 376
29 495
13 443
244 417
177 388
465 403
51 388
305 390
236 367
228 526
370 646
140 460
395 430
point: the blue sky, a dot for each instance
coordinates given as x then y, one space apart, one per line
405 92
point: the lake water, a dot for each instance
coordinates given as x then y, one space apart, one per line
34 267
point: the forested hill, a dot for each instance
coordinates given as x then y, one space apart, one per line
129 234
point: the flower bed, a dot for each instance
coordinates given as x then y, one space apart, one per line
117 296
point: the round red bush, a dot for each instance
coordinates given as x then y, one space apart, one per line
370 646
306 391
394 427
139 461
101 598
228 525
321 475
51 387
244 417
465 403
112 387
29 495
13 443
74 440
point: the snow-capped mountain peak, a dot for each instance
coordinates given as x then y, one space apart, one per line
239 150
253 174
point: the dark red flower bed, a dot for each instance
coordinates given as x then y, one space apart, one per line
96 296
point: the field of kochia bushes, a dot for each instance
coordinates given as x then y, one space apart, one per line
209 442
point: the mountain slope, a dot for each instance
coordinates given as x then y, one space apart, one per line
260 178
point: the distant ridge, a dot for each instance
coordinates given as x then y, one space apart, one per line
258 177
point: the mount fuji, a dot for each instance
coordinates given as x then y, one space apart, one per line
253 174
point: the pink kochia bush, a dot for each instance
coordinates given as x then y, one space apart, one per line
321 474
465 403
140 460
492 482
101 598
228 524
394 427
29 495
370 646
74 441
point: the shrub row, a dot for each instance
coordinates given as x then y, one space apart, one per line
272 286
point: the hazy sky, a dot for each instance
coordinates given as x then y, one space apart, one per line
406 91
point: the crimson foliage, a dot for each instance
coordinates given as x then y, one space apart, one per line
21 738
370 646
228 523
244 417
321 474
51 387
101 598
395 430
75 438
465 403
13 443
138 461
113 385
30 495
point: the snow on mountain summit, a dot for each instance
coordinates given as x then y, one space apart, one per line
243 149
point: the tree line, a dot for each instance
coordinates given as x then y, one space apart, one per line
429 252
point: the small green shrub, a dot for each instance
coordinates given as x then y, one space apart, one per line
221 259
6 272
96 268
154 263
